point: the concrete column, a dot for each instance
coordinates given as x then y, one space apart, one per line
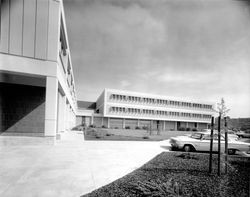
51 106
123 123
175 125
61 113
164 125
186 124
92 119
138 123
108 122
67 116
102 121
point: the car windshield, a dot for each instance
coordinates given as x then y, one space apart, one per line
196 136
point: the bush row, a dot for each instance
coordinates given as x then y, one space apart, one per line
187 129
143 128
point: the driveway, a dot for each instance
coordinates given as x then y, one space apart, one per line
71 168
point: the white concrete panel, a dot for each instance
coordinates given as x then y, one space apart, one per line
53 30
61 112
5 22
16 24
42 29
19 64
29 25
51 106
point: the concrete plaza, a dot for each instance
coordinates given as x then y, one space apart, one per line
71 168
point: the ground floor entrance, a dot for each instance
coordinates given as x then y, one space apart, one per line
157 125
33 105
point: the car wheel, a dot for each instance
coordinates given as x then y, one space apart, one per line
231 151
187 148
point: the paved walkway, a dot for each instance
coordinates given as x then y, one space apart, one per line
71 168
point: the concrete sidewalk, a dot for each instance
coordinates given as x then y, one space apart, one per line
71 168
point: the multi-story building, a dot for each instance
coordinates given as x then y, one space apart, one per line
37 89
121 109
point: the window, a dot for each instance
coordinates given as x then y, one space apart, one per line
207 137
197 136
63 40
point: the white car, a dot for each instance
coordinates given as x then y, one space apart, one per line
200 141
231 134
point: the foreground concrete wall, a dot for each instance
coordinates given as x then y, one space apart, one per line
34 44
30 28
22 108
1 110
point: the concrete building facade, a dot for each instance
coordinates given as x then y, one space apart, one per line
37 88
121 109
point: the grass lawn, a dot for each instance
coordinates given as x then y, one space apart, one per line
181 174
129 134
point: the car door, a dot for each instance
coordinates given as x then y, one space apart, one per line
204 144
216 143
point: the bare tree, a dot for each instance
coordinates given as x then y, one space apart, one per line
222 110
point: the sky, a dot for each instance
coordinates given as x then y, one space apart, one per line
193 49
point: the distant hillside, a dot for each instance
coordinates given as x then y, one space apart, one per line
237 123
241 123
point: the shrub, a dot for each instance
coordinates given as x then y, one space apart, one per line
104 127
194 129
127 127
116 127
181 129
96 133
157 188
137 127
145 137
78 128
145 128
188 129
91 131
92 126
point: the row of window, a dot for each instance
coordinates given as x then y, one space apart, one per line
125 98
65 58
136 111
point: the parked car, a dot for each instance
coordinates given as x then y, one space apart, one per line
200 141
242 134
231 134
